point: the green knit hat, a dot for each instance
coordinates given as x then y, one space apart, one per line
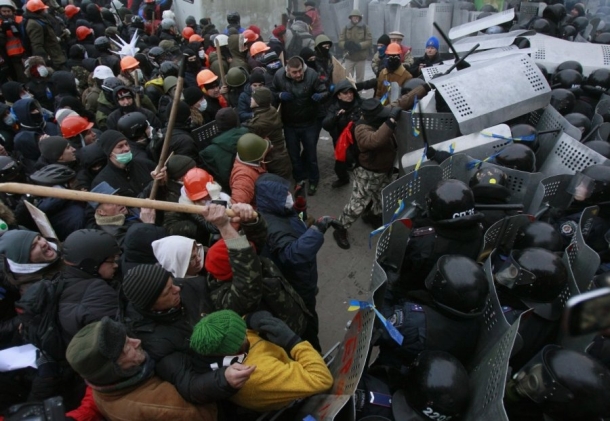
94 350
219 333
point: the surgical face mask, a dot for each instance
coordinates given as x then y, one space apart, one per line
203 105
27 95
43 71
201 54
124 158
9 120
289 202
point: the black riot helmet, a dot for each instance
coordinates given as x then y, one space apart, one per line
570 64
566 384
580 23
168 68
598 82
533 274
109 85
489 183
566 79
591 185
543 69
102 44
603 38
87 249
450 199
580 121
52 175
526 134
458 286
541 26
563 100
538 234
156 55
602 280
436 383
233 18
517 157
133 125
554 13
10 169
600 146
568 33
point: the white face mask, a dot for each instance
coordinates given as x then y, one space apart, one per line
203 105
43 71
201 54
26 96
9 120
289 201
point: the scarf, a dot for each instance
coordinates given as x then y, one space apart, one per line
116 220
145 371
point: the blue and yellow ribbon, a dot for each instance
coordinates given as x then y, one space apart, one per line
355 305
400 209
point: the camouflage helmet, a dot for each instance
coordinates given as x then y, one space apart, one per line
252 148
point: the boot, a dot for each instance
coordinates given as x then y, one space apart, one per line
340 235
340 182
375 221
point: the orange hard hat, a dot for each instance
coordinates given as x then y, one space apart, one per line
195 182
188 32
83 32
74 125
393 49
71 10
195 38
205 76
35 5
258 47
250 35
129 63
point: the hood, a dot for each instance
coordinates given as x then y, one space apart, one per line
304 66
11 91
271 193
344 84
300 26
174 253
64 83
91 155
234 47
351 25
22 109
137 245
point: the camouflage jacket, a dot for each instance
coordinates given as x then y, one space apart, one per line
257 284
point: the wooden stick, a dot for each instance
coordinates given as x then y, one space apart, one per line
170 126
136 82
221 68
131 202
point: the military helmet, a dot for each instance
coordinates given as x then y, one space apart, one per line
252 148
236 77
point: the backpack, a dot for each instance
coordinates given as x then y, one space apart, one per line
296 43
38 310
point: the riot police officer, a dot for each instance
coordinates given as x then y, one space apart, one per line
490 187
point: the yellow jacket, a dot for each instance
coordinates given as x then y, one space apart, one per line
279 379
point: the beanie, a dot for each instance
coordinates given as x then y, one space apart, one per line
178 166
257 77
16 244
262 96
384 39
219 333
432 42
306 53
192 95
217 261
226 119
255 29
166 44
109 139
278 31
51 148
143 284
94 350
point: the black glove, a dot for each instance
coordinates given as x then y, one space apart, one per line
323 222
274 330
6 25
47 366
395 113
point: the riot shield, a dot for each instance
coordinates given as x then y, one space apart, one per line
376 19
439 127
501 236
390 253
328 22
340 17
487 42
204 134
411 188
568 156
529 10
481 24
523 89
460 12
580 259
547 119
551 193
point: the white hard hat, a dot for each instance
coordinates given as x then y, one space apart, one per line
8 3
222 39
102 72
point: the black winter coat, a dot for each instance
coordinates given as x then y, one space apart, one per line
130 181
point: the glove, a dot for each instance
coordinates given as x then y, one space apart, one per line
317 97
323 222
395 113
47 366
286 96
6 25
276 331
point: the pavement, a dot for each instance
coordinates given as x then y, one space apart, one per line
342 274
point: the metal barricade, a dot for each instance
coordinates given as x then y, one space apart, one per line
568 156
551 193
412 188
204 134
580 259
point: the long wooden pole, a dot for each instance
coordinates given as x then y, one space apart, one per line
170 126
131 202
221 68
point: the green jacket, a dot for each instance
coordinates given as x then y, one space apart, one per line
43 38
218 158
359 33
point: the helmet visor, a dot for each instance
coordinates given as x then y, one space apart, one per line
512 274
537 382
581 187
